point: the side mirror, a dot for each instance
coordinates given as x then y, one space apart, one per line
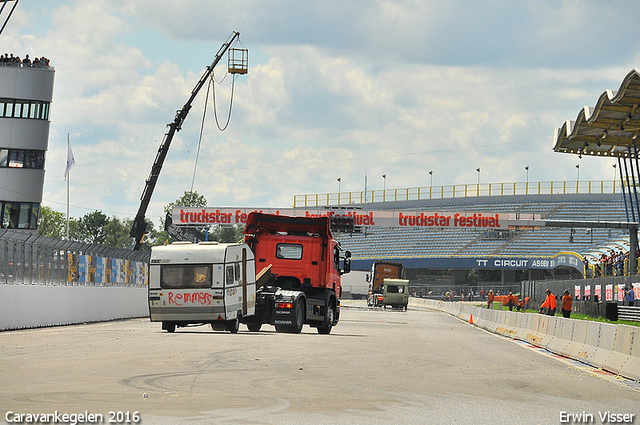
347 266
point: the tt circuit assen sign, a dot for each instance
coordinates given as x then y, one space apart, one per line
379 218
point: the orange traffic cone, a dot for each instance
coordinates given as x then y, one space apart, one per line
471 319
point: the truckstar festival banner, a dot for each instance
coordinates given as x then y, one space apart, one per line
188 216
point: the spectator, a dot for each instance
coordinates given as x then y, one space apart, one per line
526 302
631 299
490 299
566 305
510 301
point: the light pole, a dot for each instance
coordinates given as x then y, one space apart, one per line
384 182
577 172
614 173
430 178
527 168
478 170
526 187
339 180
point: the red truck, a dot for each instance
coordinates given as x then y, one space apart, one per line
304 264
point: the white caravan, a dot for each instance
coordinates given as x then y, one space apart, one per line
201 283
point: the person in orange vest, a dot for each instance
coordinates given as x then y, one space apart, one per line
510 301
526 302
566 304
490 297
520 305
549 304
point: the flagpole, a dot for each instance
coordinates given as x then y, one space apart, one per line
68 172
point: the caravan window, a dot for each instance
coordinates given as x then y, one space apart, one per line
185 276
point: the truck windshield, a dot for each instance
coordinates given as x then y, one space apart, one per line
289 251
185 276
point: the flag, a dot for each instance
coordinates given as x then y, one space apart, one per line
71 161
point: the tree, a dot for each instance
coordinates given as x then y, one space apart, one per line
92 227
226 234
117 233
189 199
51 223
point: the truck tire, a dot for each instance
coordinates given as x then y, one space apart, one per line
254 327
169 327
325 328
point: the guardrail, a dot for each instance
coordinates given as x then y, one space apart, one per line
615 348
629 313
458 191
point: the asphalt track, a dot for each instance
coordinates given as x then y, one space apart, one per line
376 367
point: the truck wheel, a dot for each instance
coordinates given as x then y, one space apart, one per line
169 327
325 329
298 320
254 327
233 326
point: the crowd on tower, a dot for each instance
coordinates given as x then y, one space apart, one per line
10 59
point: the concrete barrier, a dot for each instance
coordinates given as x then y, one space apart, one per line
615 348
32 306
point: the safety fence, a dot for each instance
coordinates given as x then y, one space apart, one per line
458 191
30 259
609 289
615 348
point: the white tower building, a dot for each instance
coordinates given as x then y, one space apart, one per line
26 92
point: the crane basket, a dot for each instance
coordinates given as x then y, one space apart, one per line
238 61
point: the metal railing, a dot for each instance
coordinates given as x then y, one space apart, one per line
30 259
458 191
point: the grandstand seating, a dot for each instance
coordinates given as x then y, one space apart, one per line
428 242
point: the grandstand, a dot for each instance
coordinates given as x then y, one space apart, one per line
511 253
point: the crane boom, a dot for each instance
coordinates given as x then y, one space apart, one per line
139 226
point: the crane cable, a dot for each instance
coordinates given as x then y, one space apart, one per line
215 114
204 114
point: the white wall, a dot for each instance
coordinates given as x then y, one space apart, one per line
31 306
355 282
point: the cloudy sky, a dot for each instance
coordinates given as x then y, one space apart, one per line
335 89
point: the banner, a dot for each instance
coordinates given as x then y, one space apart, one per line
190 216
609 292
587 292
621 294
598 292
576 292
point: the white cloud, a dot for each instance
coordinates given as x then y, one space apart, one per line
334 90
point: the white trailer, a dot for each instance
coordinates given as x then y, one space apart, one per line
205 283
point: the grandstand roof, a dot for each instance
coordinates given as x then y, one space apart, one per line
608 129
